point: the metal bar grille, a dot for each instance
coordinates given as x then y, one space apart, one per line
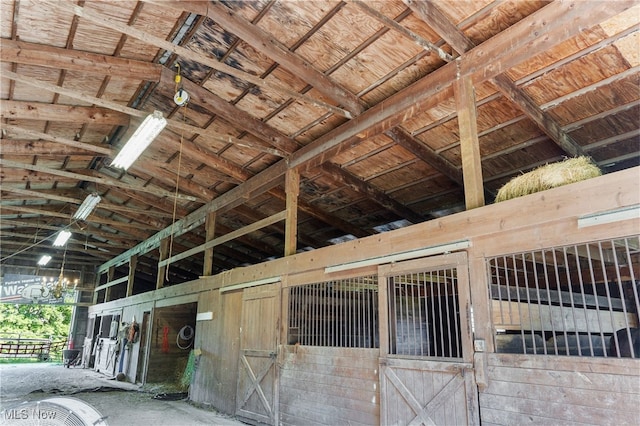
341 313
424 318
577 300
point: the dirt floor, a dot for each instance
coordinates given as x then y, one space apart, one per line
118 403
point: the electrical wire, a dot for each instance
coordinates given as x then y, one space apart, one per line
36 243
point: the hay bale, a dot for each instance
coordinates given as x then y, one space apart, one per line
549 176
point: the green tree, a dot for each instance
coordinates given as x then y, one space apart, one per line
35 320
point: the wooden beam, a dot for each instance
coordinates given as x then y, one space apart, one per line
164 252
76 60
433 16
21 52
425 153
210 230
45 136
100 180
469 144
272 48
188 54
175 124
129 227
133 262
292 188
23 147
425 44
228 237
239 118
20 110
341 175
514 46
543 120
42 194
328 218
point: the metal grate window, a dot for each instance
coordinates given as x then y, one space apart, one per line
424 318
573 300
341 313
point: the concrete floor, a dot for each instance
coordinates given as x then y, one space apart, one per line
119 403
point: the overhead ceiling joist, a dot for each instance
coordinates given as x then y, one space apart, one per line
507 49
186 53
20 110
432 15
47 137
20 52
89 178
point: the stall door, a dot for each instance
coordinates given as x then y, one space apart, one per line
257 378
426 371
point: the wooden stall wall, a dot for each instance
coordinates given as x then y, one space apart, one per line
529 389
215 380
329 386
547 388
315 383
135 355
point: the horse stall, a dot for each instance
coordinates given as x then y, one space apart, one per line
488 316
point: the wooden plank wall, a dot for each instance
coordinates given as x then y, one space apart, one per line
329 386
528 389
128 314
216 380
317 385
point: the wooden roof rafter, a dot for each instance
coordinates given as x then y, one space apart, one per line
427 91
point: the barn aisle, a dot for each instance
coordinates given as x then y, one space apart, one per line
119 403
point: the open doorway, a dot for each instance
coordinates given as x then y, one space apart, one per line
171 343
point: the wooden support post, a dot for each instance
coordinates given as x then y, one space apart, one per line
469 144
210 226
107 291
133 262
292 187
164 252
96 284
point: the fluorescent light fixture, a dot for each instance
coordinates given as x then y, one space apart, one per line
62 238
429 251
254 283
87 207
142 137
44 260
611 216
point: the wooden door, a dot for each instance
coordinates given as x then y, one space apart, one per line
426 370
257 377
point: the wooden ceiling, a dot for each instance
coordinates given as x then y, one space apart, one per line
363 102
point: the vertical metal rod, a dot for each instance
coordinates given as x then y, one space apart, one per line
447 310
547 283
572 304
516 282
634 287
585 309
421 279
441 322
595 296
622 298
563 330
432 316
608 293
525 273
456 308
